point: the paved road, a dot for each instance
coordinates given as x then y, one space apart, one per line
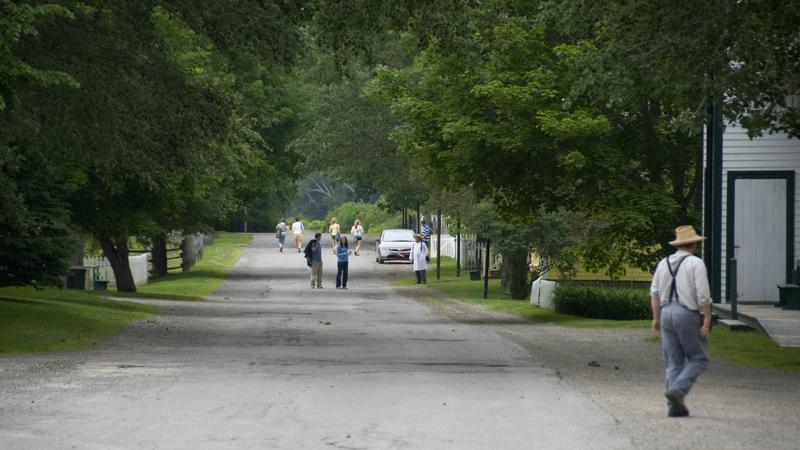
268 362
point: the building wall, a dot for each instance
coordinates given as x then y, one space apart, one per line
768 152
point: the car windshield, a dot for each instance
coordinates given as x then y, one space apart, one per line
398 236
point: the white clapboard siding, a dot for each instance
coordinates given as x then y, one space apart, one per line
768 152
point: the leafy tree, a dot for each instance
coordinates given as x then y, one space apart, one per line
348 133
35 240
160 135
684 55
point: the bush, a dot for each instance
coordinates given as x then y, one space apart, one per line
317 226
373 218
602 303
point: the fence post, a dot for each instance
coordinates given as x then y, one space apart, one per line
438 244
458 246
486 270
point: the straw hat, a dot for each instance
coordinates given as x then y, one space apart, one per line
685 234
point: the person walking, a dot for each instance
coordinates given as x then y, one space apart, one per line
297 233
358 234
280 232
426 231
678 293
419 251
313 254
334 230
342 257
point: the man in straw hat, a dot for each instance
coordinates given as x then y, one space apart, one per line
679 292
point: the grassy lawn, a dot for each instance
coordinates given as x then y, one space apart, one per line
52 319
205 277
469 291
748 348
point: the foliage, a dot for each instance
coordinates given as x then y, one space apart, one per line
682 55
602 303
43 320
497 108
373 218
551 236
19 20
35 240
317 226
348 134
167 119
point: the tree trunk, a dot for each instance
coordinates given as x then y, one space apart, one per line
117 254
77 256
158 256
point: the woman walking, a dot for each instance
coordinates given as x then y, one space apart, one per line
297 232
358 234
334 230
342 257
417 256
280 232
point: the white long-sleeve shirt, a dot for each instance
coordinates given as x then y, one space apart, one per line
691 281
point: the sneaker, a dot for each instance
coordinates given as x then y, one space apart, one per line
344 287
281 250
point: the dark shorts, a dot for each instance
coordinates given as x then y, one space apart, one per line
359 238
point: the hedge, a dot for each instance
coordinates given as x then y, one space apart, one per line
602 303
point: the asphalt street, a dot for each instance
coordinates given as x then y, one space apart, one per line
267 362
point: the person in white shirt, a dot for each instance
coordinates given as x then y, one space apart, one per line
358 233
417 256
678 293
297 232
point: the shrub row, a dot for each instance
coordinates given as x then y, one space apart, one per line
602 303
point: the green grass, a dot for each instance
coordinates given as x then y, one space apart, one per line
53 319
749 349
202 279
469 291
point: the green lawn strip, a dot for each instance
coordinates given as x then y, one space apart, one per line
202 279
749 349
470 291
54 319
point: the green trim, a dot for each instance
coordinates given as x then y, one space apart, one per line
787 175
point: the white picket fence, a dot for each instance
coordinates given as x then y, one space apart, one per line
100 268
471 251
448 246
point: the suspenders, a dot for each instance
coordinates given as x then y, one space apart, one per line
673 290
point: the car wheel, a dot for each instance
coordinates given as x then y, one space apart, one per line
379 259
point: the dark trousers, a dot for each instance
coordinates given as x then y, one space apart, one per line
422 276
341 274
428 245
